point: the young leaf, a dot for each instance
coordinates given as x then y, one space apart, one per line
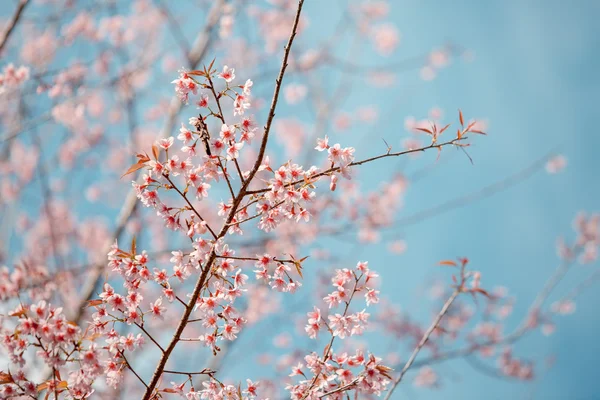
93 303
19 313
448 263
470 128
155 151
5 378
444 128
139 165
478 131
483 292
425 130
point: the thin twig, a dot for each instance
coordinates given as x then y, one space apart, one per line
12 23
150 337
368 160
189 204
521 330
205 371
424 340
131 368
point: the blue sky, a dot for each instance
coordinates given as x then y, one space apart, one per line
534 78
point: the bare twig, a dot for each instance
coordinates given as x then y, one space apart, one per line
519 332
453 142
424 340
12 24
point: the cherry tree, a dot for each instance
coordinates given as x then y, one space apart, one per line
149 235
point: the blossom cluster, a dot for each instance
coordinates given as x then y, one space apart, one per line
514 367
340 158
335 373
12 77
275 274
213 389
58 342
23 277
289 192
588 236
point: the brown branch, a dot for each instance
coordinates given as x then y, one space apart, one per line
189 204
12 24
341 388
150 337
131 368
205 371
242 192
434 145
279 260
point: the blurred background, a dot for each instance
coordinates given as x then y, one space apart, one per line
365 73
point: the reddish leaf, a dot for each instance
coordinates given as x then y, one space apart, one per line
298 268
444 128
19 313
385 371
155 151
478 131
60 385
123 253
5 378
483 292
471 125
460 117
142 157
139 165
448 263
425 130
93 303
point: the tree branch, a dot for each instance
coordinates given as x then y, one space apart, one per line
424 340
12 24
236 202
